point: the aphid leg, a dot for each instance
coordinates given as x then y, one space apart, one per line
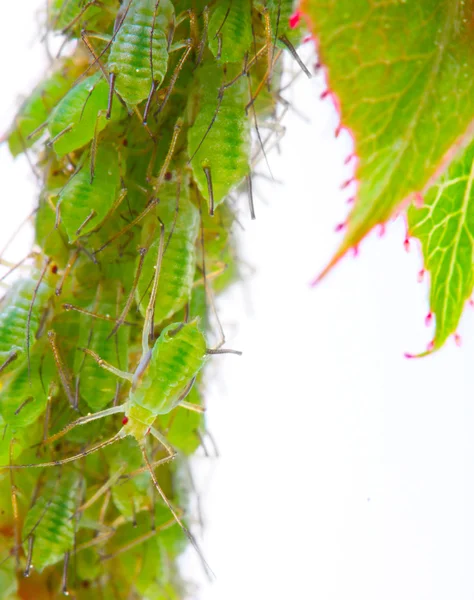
59 135
192 407
70 264
63 374
87 220
101 491
123 315
83 420
250 193
107 366
112 77
186 531
169 155
295 55
29 557
212 351
30 311
255 121
140 540
79 16
16 518
150 309
56 463
163 441
188 44
153 88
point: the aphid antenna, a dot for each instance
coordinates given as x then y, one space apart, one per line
118 24
30 311
63 374
188 44
15 266
207 287
153 202
257 129
128 304
148 326
17 230
79 16
26 152
296 56
185 530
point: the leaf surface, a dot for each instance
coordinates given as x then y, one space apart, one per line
445 227
403 74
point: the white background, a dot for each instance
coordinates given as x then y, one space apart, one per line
346 470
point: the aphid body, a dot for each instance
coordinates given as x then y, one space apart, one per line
230 30
49 526
80 115
138 58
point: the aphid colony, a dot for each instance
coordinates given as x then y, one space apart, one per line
140 134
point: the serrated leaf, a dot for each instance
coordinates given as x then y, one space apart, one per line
404 75
445 227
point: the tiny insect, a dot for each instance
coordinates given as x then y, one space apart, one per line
181 221
21 318
84 204
147 27
230 30
81 115
163 377
37 108
219 139
49 527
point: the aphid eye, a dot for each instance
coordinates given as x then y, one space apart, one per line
54 269
124 420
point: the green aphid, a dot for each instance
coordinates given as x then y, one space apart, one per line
138 59
49 527
65 14
181 224
36 109
84 204
219 139
81 115
22 314
183 427
24 394
230 30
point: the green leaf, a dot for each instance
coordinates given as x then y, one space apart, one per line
403 72
445 227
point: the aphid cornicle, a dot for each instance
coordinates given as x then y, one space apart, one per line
138 59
